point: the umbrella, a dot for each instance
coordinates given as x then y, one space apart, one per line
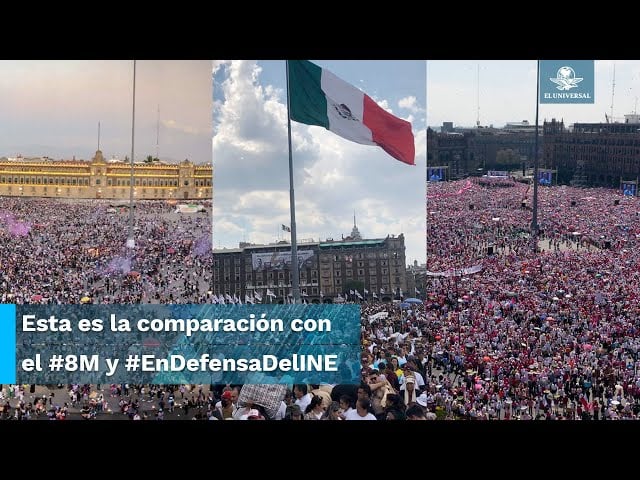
171 250
133 273
413 300
85 300
36 298
405 305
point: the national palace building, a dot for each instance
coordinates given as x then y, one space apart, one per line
100 178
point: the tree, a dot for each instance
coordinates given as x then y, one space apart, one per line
354 285
507 158
149 159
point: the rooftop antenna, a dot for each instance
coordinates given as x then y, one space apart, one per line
635 109
158 134
478 98
613 89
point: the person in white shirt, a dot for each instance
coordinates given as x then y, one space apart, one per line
282 411
361 412
303 398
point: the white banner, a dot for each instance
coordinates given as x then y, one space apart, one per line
278 259
456 272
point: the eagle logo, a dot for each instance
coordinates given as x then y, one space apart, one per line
566 78
344 112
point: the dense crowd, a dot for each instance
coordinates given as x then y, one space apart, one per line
546 328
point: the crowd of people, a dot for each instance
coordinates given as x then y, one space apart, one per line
514 324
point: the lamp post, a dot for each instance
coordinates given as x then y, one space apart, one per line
131 243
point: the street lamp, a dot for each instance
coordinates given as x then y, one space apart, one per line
131 243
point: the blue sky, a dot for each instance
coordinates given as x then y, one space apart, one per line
52 108
333 176
508 92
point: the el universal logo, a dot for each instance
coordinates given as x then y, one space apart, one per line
566 78
566 82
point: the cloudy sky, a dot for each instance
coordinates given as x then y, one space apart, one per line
508 92
333 177
52 108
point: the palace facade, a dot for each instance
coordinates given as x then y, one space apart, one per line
100 178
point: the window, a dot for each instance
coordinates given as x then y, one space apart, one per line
360 271
186 183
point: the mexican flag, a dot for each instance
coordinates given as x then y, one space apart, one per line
318 97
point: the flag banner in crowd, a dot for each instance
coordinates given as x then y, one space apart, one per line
456 272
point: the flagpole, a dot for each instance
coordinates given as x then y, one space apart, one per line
130 241
295 276
534 220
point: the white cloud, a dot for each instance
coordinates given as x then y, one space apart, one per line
410 103
217 64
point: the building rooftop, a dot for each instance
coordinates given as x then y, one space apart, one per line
349 243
